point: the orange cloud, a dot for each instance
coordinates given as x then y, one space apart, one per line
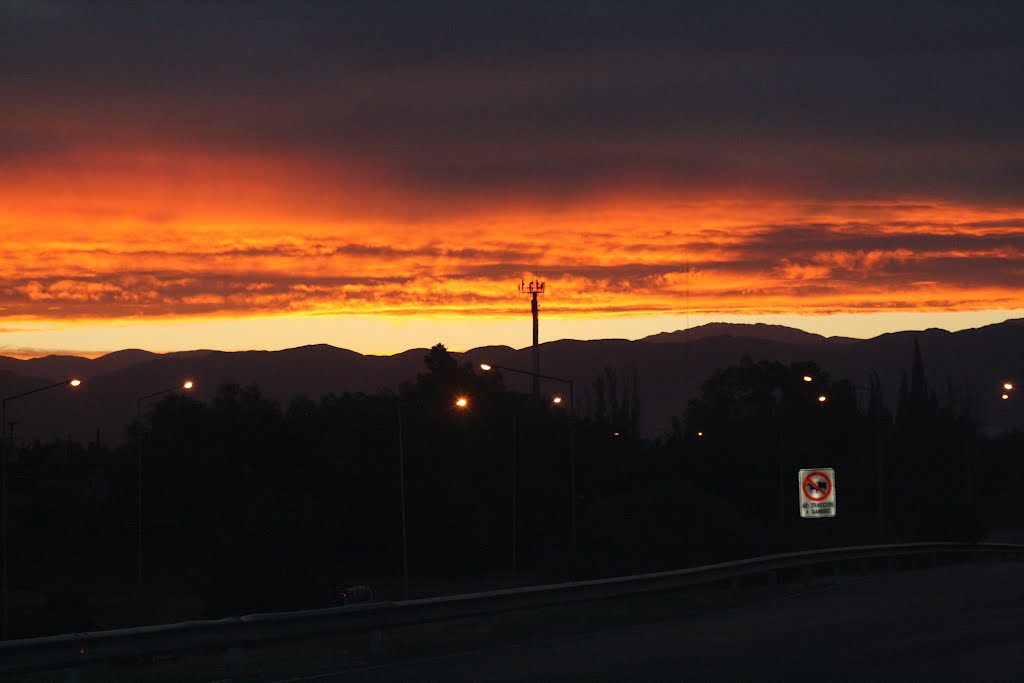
643 257
182 233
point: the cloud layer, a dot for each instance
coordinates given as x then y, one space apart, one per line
230 159
620 261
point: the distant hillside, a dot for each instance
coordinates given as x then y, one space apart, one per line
668 372
776 333
60 367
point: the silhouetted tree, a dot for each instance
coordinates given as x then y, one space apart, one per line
933 449
250 506
615 405
755 425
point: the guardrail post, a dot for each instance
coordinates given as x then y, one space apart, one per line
376 640
236 660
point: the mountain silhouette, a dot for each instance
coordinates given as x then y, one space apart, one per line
668 371
779 333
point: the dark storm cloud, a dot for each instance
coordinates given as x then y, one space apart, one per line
831 99
786 240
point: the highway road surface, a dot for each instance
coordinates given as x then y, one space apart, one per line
955 623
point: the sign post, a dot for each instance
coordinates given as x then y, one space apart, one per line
817 492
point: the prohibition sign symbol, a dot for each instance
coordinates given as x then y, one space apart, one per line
817 486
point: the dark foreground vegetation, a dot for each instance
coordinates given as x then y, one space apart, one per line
253 506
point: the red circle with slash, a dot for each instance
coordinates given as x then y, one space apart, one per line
816 489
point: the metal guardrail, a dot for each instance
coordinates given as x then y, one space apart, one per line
54 652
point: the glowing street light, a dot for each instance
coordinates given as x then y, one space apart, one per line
822 398
487 367
808 378
72 382
1007 388
461 402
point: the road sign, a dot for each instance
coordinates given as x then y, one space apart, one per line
817 492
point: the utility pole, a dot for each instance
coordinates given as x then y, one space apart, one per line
534 288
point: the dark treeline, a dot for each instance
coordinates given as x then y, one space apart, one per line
249 505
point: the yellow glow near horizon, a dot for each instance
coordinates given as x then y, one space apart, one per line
385 335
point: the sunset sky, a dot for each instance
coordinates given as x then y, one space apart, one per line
381 176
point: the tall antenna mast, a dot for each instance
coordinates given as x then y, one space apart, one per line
533 288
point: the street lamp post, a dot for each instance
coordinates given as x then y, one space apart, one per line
879 446
461 403
487 367
878 438
73 382
187 385
515 494
820 399
401 487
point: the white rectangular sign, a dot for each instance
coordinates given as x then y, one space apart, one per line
818 492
